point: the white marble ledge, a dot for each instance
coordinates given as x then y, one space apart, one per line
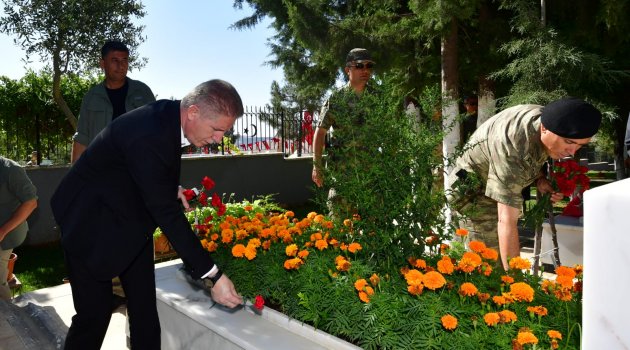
190 320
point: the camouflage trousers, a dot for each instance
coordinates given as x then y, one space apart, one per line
472 209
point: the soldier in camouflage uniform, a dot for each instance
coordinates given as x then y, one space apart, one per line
506 154
341 113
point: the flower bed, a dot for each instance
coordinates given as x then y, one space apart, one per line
447 298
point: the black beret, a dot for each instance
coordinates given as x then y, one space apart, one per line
571 118
358 54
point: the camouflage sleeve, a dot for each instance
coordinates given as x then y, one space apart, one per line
326 119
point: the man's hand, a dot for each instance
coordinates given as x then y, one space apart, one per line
317 176
544 186
182 198
509 244
223 292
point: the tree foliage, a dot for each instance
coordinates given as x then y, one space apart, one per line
68 35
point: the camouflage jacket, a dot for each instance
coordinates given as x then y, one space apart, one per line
506 153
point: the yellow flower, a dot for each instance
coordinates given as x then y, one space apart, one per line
433 280
467 289
311 215
554 334
526 338
445 265
291 250
449 322
491 318
354 247
360 284
462 232
347 222
522 291
238 251
518 263
477 246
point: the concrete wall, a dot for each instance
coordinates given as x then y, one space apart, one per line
247 176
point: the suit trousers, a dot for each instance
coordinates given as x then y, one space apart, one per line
93 303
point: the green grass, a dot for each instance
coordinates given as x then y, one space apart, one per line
39 266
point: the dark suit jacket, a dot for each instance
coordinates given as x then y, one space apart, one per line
124 186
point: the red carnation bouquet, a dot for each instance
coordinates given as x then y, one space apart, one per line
196 196
570 178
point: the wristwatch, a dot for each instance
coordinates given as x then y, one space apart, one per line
209 282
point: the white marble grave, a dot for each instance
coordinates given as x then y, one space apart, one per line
190 320
606 267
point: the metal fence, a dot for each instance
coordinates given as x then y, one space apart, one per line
259 130
264 130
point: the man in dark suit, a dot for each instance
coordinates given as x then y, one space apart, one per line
124 186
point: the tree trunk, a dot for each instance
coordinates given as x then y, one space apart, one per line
450 108
59 100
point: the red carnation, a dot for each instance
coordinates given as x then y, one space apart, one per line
216 200
259 302
190 194
207 183
203 199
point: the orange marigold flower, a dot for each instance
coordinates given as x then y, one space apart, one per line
347 223
360 284
507 279
578 269
444 248
518 263
486 269
548 286
319 218
420 264
537 310
477 246
467 289
507 316
250 252
374 279
449 322
354 247
241 234
564 281
369 290
311 215
266 245
364 297
343 265
404 270
214 236
254 242
227 235
414 277
316 236
321 244
415 289
289 214
469 262
483 297
565 271
491 318
291 250
238 251
526 338
522 291
563 294
433 280
293 264
212 246
554 334
303 254
445 265
490 254
248 208
499 300
462 232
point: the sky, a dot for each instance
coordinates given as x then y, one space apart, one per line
188 42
